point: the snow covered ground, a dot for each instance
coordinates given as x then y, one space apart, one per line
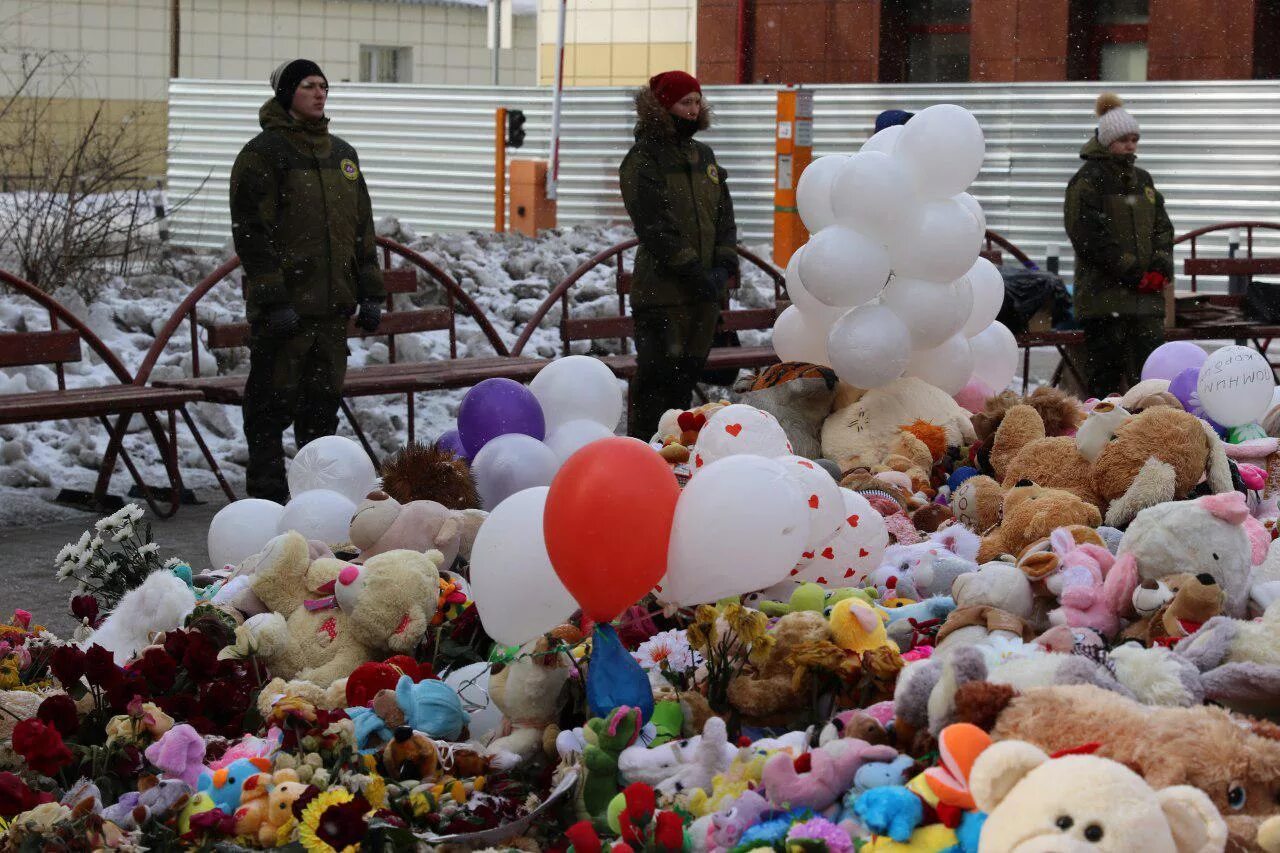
508 275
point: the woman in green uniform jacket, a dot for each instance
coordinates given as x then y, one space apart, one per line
678 201
1123 241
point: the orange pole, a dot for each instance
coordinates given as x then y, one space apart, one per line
500 169
794 150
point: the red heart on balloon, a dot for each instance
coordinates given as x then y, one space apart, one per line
822 581
697 462
848 573
808 465
829 554
853 520
808 555
813 501
733 429
795 572
863 552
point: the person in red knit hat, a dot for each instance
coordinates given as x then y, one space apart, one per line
678 199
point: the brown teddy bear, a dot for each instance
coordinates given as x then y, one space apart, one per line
772 695
1030 513
1159 455
1061 413
1182 602
1233 759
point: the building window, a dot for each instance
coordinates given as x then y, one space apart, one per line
379 64
924 41
1266 40
1108 40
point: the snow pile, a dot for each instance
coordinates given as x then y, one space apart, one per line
508 276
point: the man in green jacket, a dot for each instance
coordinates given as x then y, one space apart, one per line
303 228
678 199
1123 242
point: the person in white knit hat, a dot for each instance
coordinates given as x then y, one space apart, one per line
1123 241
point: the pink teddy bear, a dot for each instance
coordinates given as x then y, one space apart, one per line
1080 585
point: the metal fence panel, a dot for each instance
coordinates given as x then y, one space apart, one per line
427 151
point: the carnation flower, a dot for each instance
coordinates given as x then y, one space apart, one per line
41 746
59 711
823 830
669 650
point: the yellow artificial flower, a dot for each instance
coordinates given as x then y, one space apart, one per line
883 662
284 835
292 706
9 679
376 791
152 722
761 649
308 832
422 804
814 658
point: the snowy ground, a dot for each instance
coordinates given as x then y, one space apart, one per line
507 275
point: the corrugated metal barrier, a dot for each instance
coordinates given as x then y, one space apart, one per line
427 151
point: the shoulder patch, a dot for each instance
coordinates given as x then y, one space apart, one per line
349 170
1150 193
713 172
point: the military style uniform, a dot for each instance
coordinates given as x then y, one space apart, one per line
1117 223
678 199
303 228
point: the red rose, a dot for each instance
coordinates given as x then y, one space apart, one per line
669 832
640 802
17 797
67 664
41 746
582 835
200 659
86 607
60 712
100 667
158 668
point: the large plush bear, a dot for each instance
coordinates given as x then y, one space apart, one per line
864 425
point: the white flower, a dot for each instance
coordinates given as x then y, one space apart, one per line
122 534
64 570
133 512
669 648
96 544
110 568
149 548
174 562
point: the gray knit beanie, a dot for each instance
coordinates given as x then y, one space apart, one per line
1114 121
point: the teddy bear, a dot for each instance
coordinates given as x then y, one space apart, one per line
1239 660
977 503
530 694
996 601
771 695
1174 607
606 738
1234 760
864 425
1085 802
688 763
254 815
1059 411
927 568
1159 455
329 617
381 523
1030 513
678 430
1207 535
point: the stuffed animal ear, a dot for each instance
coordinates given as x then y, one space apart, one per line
959 540
1219 467
1194 821
1119 584
999 768
471 520
1062 540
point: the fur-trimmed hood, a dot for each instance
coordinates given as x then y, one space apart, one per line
654 121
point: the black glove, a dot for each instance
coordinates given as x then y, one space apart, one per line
282 321
370 315
713 284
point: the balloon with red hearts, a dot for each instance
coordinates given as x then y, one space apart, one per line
607 524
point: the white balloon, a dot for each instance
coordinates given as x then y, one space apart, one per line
1235 385
321 514
571 436
739 526
816 314
995 356
739 430
578 387
972 205
944 146
813 191
869 347
512 463
942 246
471 683
516 589
853 552
988 296
874 194
820 495
241 529
795 340
884 141
843 267
931 312
333 462
947 367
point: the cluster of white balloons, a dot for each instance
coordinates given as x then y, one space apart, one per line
581 402
328 478
890 283
754 516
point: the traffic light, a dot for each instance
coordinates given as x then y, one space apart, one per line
515 128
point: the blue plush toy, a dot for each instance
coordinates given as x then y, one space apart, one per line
968 833
893 811
429 706
225 786
880 774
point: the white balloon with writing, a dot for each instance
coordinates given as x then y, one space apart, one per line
1235 385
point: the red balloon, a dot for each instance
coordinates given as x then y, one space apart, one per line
607 524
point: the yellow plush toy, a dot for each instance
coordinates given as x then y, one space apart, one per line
857 626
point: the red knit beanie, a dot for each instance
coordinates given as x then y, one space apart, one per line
671 86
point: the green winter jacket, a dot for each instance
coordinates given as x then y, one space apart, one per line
1117 224
301 219
678 199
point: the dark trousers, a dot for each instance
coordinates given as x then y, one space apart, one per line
671 350
1115 350
295 380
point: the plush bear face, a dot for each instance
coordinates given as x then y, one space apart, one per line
999 585
391 599
1084 803
1032 513
373 519
1172 436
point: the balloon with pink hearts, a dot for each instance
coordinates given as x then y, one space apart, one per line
740 429
853 552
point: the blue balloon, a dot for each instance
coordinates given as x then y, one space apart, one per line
615 678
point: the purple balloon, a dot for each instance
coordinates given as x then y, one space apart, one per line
1167 361
1183 387
497 407
452 442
